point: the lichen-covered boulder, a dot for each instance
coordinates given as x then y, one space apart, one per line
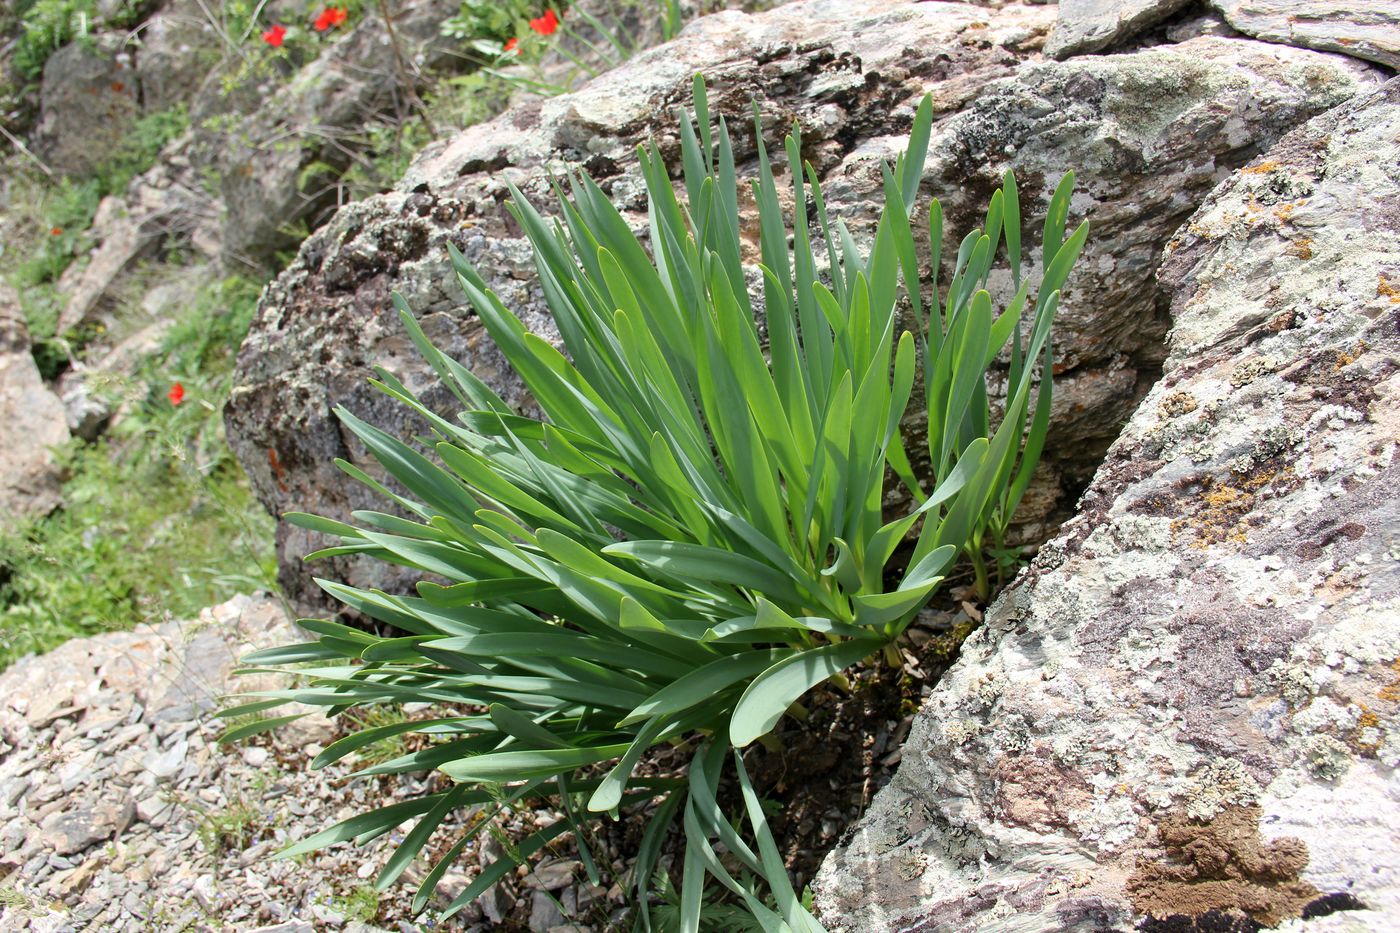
1150 133
88 102
1184 716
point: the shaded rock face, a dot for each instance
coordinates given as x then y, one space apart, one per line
90 98
1183 716
1150 134
32 423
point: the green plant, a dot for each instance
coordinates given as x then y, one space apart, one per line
586 41
48 25
360 904
692 538
230 828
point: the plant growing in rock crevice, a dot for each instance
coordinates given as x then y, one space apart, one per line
693 536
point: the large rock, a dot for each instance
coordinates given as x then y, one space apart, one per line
32 423
179 49
1091 25
1150 134
1183 717
89 101
1368 29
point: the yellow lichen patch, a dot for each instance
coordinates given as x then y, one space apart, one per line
1365 738
1391 692
1385 290
1301 247
1284 212
1263 168
1175 404
1347 357
1224 517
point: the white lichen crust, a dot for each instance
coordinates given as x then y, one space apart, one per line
1214 641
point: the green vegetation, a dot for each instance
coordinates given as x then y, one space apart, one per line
693 537
48 25
360 904
50 233
158 517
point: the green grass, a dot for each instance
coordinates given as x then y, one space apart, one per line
158 517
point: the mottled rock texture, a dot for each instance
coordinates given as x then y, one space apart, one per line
1184 715
89 100
1150 133
1368 29
1091 25
32 423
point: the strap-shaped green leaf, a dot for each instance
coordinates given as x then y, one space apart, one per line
770 694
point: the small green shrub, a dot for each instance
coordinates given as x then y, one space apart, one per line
693 536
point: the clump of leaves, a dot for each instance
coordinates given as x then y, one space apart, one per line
692 537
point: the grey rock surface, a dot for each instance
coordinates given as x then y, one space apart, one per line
1150 133
1368 29
1092 25
32 423
89 100
120 811
178 46
1183 715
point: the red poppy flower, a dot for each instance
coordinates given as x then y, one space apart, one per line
546 24
56 231
275 35
513 46
176 394
330 17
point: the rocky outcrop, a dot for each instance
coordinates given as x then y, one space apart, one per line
1091 25
119 810
1184 716
165 207
1366 29
268 166
32 423
1150 134
89 101
179 46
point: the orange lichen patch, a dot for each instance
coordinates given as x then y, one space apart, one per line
1385 290
1263 168
1391 691
1284 212
1223 865
1301 247
1365 737
1224 519
1347 357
